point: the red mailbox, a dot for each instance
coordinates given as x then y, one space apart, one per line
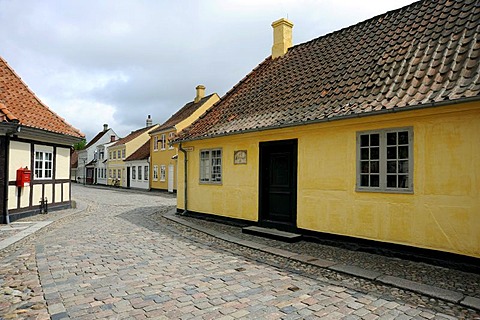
23 177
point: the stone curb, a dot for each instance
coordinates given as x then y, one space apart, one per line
37 225
424 289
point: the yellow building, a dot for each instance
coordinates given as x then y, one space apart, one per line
118 173
371 132
163 163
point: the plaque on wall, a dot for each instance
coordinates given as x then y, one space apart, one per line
240 157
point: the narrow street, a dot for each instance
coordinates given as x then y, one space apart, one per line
117 257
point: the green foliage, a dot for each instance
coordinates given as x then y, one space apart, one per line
80 145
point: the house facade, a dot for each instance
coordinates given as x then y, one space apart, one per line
370 132
118 172
163 153
88 157
138 164
35 149
100 165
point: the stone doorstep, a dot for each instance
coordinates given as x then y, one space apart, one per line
272 233
428 290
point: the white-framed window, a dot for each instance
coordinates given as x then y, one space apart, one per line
171 135
123 153
110 173
114 174
43 165
145 176
162 172
134 172
385 160
114 154
119 173
211 166
163 142
139 172
155 172
119 154
155 143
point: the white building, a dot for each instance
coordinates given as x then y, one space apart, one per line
138 165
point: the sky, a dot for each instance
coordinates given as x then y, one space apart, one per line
117 61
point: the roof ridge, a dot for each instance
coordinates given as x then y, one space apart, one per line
40 101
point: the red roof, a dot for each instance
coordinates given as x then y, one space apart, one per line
18 102
420 55
133 135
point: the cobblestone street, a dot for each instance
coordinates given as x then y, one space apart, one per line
116 257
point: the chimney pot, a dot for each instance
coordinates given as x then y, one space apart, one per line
148 123
200 93
105 127
282 37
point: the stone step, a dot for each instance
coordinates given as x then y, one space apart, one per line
272 233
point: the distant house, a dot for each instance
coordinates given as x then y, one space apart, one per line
370 132
35 145
100 164
118 172
73 165
162 152
88 157
138 164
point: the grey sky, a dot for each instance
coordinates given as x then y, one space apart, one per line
116 61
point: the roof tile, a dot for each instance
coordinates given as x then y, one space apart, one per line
425 52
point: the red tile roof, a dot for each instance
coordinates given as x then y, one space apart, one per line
422 54
18 102
183 113
74 159
141 153
133 135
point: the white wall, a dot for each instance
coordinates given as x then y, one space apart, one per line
136 183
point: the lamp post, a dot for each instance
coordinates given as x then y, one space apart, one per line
84 170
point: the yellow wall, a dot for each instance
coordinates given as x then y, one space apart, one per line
19 157
162 157
441 214
63 164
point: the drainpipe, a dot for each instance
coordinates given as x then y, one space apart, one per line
185 201
7 169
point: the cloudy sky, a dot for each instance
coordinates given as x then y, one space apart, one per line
116 61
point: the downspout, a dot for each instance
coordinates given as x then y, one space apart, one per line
7 169
185 201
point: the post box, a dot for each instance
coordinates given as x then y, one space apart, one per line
23 177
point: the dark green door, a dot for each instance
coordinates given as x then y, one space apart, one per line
278 184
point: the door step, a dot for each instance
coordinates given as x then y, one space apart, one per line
272 234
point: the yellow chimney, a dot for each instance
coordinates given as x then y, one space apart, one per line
200 93
282 37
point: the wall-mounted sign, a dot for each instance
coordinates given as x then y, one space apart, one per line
189 149
240 157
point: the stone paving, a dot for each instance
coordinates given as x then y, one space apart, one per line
117 258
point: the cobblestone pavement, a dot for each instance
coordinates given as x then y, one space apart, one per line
120 259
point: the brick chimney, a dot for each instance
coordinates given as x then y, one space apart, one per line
282 37
200 93
105 127
148 122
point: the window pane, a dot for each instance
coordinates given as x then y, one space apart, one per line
403 137
392 153
374 180
403 152
391 181
374 167
403 166
364 140
364 166
364 180
391 166
375 153
403 181
391 138
374 139
364 154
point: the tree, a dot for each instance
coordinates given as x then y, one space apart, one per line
80 145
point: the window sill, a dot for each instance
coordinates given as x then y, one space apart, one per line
389 191
210 183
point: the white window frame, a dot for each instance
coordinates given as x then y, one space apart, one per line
170 138
163 173
139 173
163 142
155 143
155 173
385 161
211 166
134 176
123 153
43 167
146 173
